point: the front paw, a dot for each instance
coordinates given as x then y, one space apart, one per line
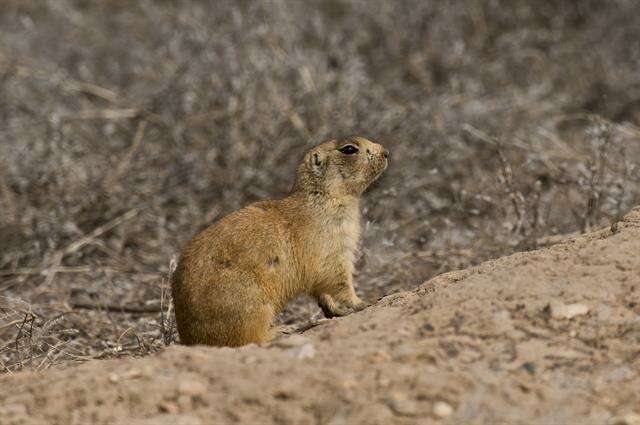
331 311
330 308
359 305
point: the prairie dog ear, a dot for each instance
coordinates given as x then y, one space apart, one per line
317 162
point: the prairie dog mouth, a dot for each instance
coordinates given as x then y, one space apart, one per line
378 169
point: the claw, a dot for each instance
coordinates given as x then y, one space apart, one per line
330 309
360 306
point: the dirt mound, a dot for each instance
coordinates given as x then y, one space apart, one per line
128 127
549 336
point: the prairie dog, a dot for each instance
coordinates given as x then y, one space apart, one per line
237 275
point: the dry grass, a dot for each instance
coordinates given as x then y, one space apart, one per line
127 127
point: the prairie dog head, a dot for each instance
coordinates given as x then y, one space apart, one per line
341 167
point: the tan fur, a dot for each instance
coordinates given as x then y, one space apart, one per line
236 276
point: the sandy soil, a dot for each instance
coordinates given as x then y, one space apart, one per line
494 343
126 128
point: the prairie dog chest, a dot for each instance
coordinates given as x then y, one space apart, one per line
342 233
329 242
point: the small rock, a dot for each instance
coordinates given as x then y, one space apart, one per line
577 309
442 409
530 367
379 357
307 351
629 419
604 312
191 388
184 402
168 407
348 384
114 378
558 310
428 327
292 341
502 321
621 374
402 406
383 382
501 316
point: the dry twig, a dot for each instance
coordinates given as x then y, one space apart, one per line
115 308
73 247
110 181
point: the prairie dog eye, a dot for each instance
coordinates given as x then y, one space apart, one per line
348 150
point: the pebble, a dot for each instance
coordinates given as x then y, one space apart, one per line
306 351
114 378
168 407
401 405
379 357
191 388
559 310
501 316
502 321
604 312
621 374
348 384
530 367
442 409
629 419
576 310
184 402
